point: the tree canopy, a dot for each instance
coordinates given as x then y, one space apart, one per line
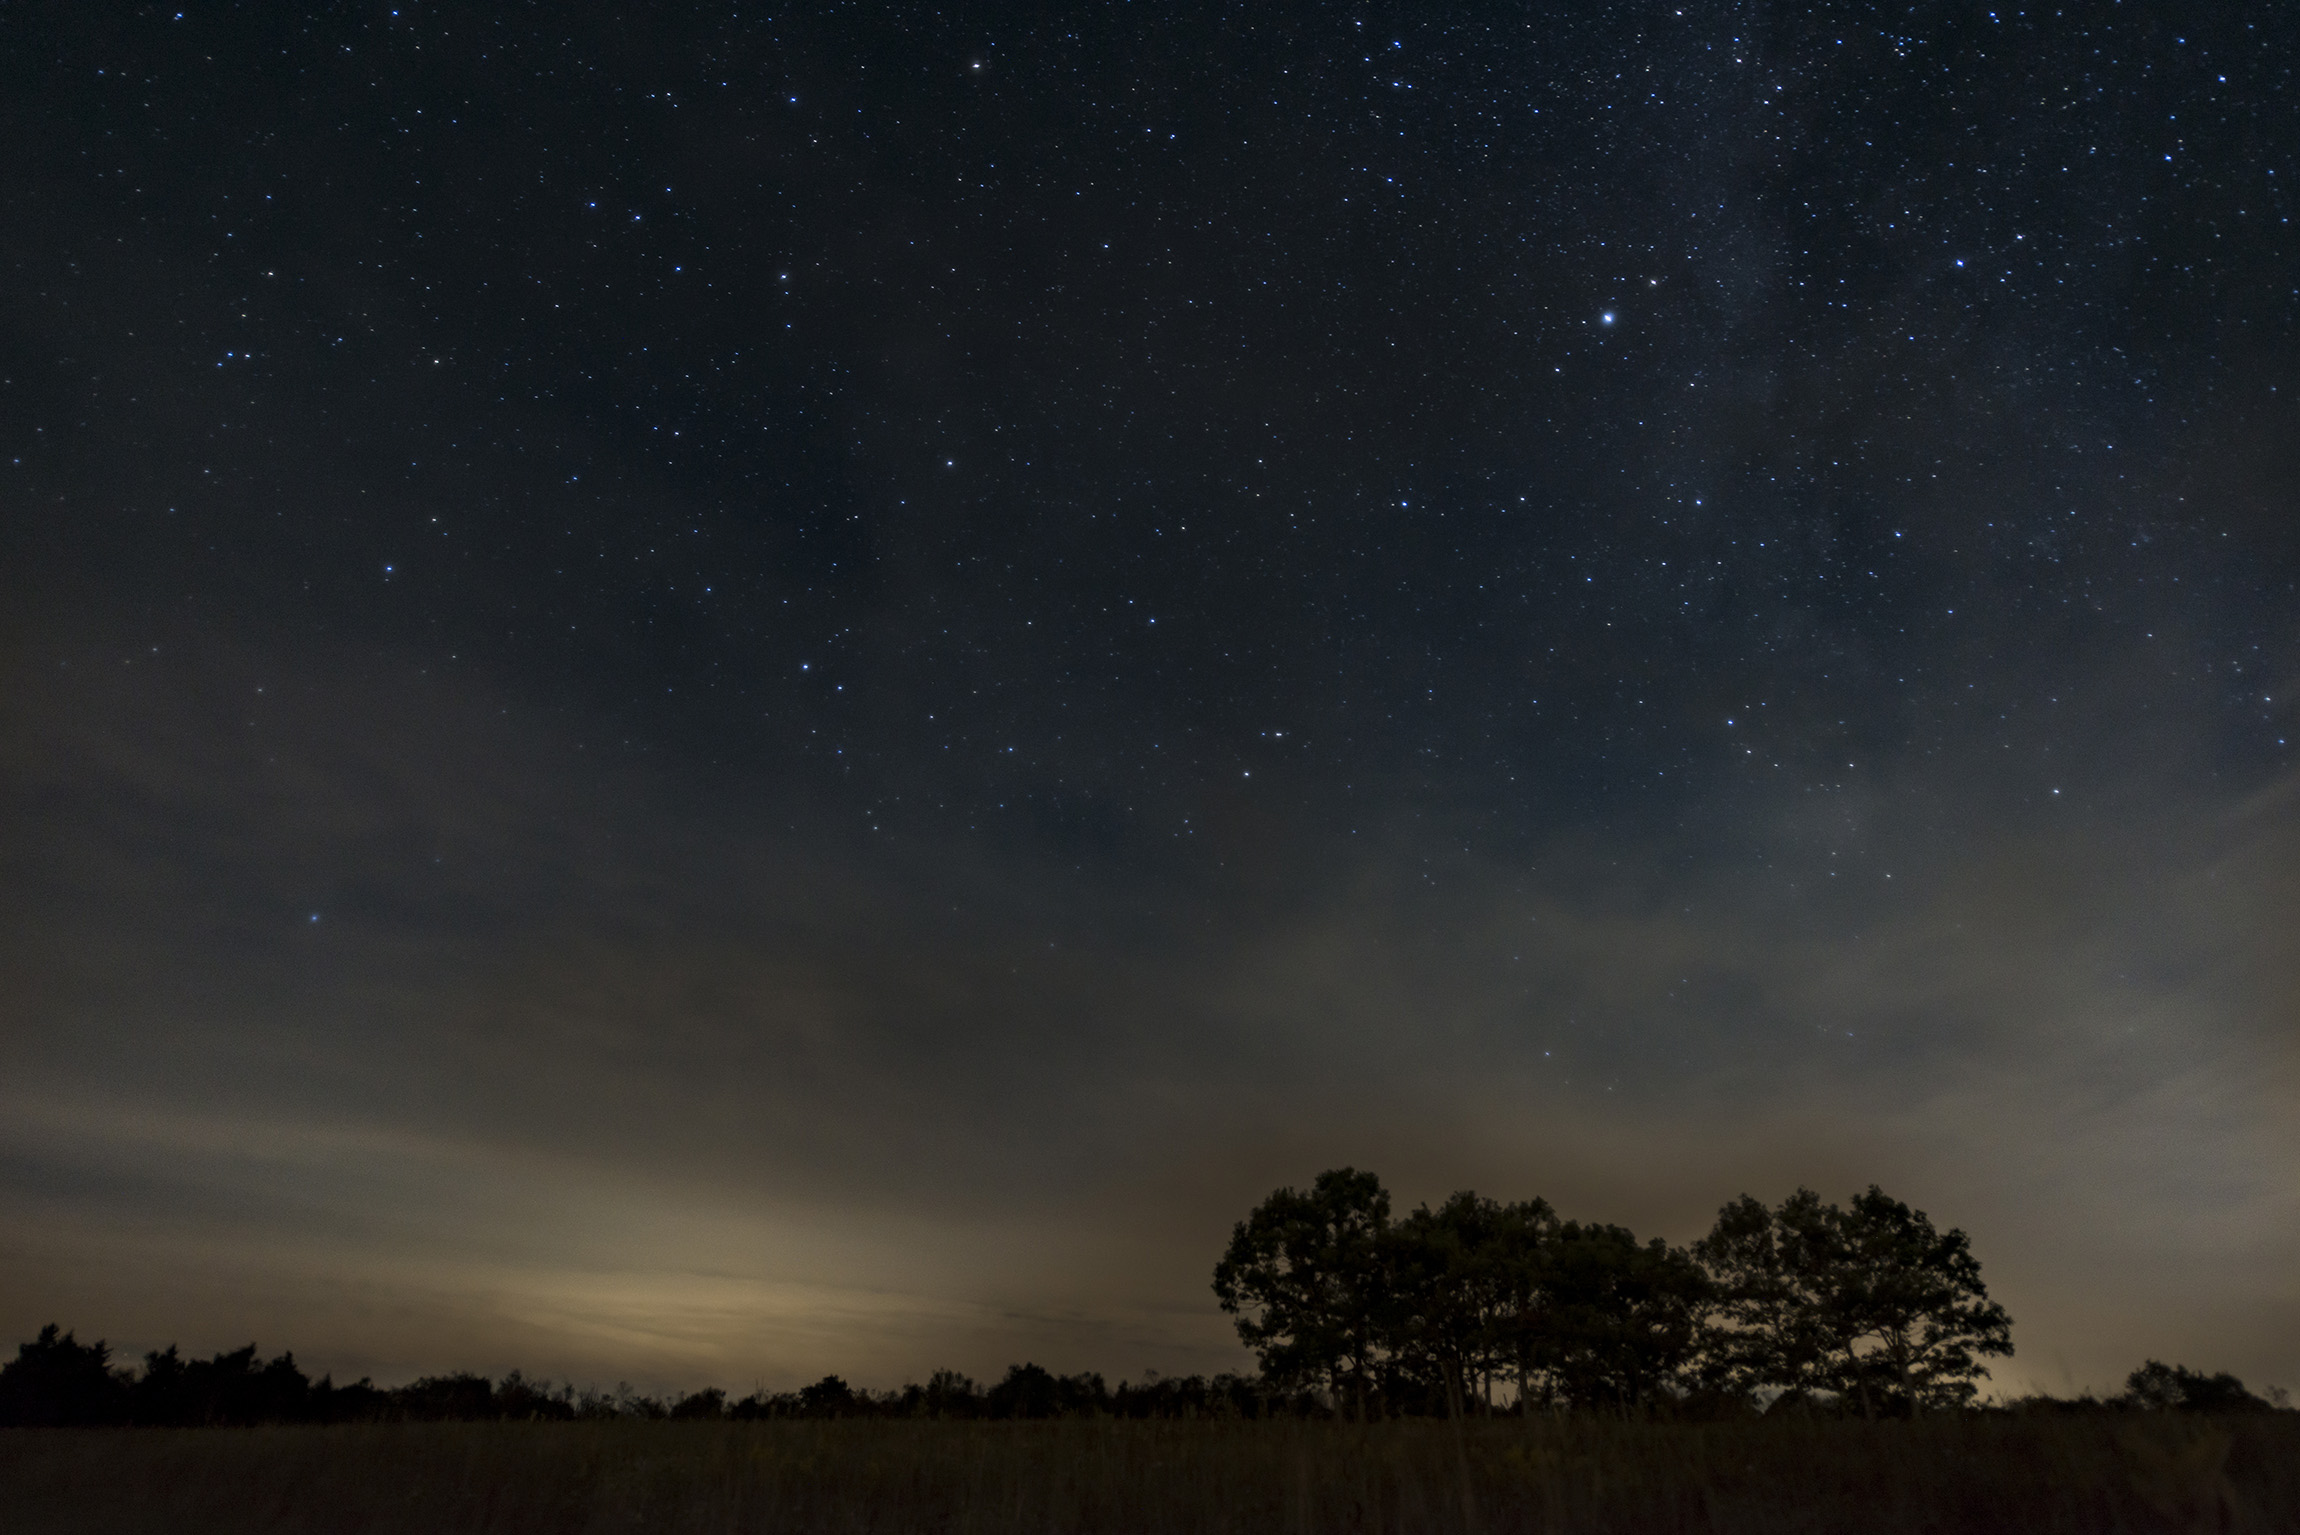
1470 1306
1307 1276
1869 1304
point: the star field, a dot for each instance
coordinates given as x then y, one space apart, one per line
1001 583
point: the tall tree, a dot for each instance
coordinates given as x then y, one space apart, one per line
1871 1302
1444 1293
1907 1306
1767 1329
1305 1277
1446 1288
1522 1238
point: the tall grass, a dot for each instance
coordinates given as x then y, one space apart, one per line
2079 1473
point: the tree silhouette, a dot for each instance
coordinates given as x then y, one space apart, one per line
1468 1296
1623 1318
1442 1289
1305 1276
56 1381
710 1404
448 1398
2159 1387
1521 1237
1908 1306
1767 1271
829 1397
1871 1302
948 1394
1028 1391
1330 1294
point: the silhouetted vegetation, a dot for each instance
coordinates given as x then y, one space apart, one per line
56 1381
1470 1309
1868 1307
1589 1381
2162 1387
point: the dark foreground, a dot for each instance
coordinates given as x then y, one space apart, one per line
2094 1472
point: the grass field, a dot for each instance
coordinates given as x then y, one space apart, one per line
2100 1472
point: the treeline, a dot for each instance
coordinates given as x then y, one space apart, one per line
1476 1306
57 1381
1472 1307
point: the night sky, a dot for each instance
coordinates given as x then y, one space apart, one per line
706 695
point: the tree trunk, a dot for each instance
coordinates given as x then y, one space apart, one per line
1454 1391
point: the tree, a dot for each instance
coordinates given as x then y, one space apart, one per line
1621 1320
518 1398
1444 1287
709 1404
1870 1301
56 1381
1906 1306
1028 1391
1765 1268
829 1397
1522 1237
948 1394
462 1397
2159 1387
1305 1277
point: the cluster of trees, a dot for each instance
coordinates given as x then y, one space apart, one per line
1868 1305
2161 1387
1471 1307
58 1381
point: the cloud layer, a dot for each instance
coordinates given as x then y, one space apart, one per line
378 1016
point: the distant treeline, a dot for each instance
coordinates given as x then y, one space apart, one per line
1808 1307
1476 1305
55 1381
58 1381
